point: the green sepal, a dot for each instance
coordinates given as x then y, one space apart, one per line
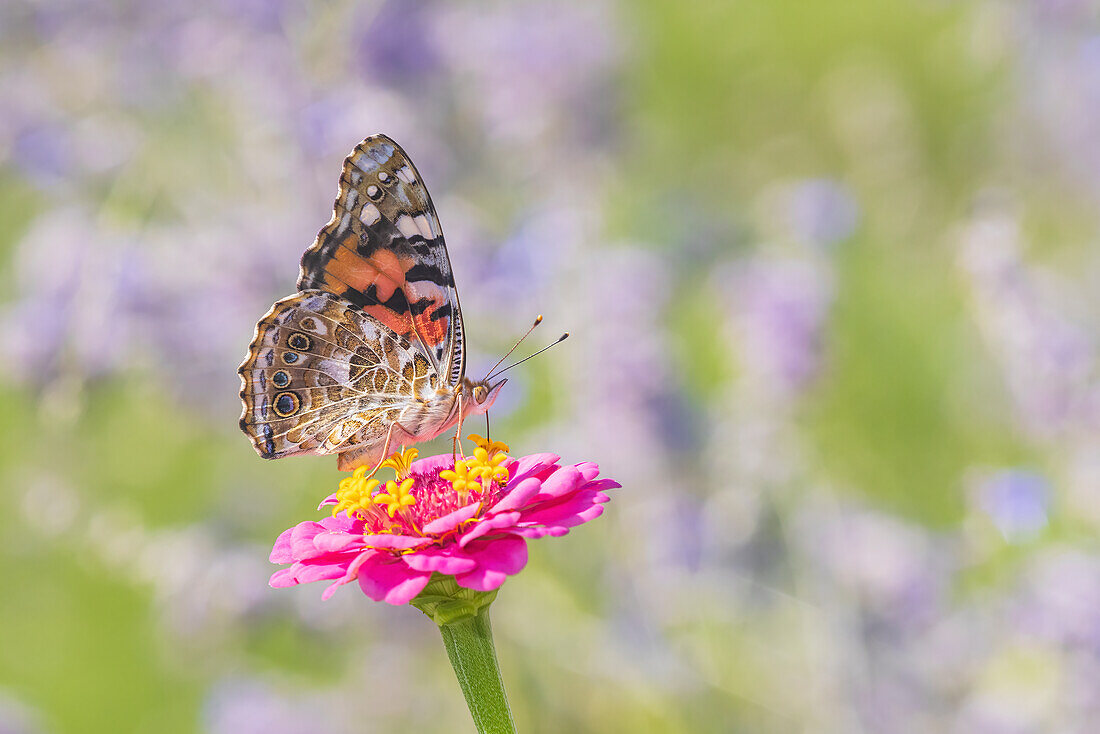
445 602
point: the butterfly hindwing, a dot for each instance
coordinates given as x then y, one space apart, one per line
383 251
322 377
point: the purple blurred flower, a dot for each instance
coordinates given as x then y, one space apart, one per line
895 569
779 308
68 307
817 211
39 153
1016 501
250 706
627 364
394 41
1060 599
1059 71
531 65
1048 360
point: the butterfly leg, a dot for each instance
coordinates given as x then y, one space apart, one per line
457 445
403 437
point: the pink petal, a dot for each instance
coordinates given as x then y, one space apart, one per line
452 520
561 526
383 578
488 525
331 588
560 512
588 470
330 500
337 541
350 574
342 522
301 540
519 496
534 532
306 573
531 465
583 516
497 559
395 542
281 553
603 484
282 578
449 560
565 480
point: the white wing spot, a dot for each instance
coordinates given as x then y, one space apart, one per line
425 226
364 163
405 174
370 214
407 226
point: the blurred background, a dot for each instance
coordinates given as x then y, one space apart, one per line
830 273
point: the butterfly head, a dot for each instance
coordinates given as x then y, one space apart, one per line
480 395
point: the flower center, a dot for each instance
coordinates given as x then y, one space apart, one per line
406 504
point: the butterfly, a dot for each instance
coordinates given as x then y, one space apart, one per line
369 355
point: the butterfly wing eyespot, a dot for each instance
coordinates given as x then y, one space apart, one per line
286 404
299 341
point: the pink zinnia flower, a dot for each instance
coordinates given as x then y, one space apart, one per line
469 519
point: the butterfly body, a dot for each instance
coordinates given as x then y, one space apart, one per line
369 355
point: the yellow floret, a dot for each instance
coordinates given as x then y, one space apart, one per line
491 447
397 496
354 493
401 462
489 467
461 479
487 463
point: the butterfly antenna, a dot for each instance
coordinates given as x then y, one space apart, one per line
538 320
561 338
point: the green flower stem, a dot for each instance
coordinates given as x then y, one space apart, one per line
463 619
470 647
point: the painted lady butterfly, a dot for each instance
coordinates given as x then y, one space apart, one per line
369 355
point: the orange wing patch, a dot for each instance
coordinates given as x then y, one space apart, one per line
384 269
434 332
396 322
433 327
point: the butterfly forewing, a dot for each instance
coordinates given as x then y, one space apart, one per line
322 377
383 251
